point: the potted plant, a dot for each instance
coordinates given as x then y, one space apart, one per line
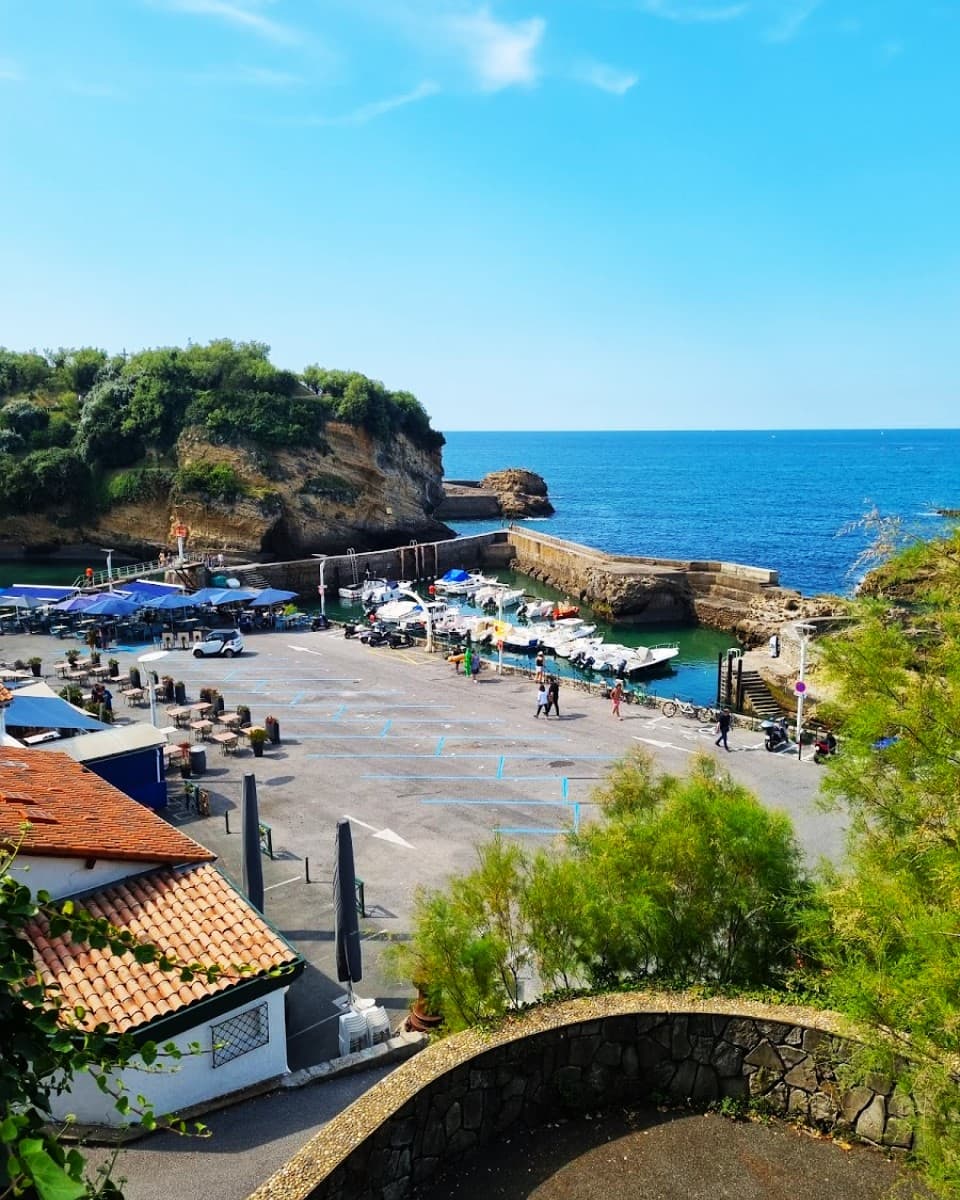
258 737
35 665
185 766
426 1013
114 665
72 655
272 726
94 658
167 689
244 714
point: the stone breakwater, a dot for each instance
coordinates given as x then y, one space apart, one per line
743 600
466 1091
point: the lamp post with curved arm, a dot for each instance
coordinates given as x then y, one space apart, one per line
409 592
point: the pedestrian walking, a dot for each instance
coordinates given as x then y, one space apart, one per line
616 698
539 665
553 696
724 721
542 700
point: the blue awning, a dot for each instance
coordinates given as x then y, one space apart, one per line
272 596
40 591
47 712
147 589
454 576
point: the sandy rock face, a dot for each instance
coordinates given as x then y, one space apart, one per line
354 490
521 493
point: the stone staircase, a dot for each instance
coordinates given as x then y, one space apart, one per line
250 577
757 697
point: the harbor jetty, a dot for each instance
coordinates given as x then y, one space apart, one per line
624 589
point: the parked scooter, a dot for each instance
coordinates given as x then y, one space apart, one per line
776 734
350 630
399 641
824 746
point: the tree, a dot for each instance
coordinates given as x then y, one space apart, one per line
682 881
889 934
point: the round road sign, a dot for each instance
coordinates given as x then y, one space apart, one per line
799 687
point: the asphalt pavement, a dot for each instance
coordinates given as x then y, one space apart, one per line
426 764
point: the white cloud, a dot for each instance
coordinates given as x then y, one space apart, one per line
242 14
686 13
378 108
9 71
793 16
502 54
606 78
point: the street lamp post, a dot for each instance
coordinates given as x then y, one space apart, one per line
321 587
803 632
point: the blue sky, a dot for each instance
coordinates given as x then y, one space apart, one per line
650 214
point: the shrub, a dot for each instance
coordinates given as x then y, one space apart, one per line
218 481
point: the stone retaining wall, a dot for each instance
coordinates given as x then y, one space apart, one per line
466 1091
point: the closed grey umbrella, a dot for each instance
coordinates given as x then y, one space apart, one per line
252 863
346 922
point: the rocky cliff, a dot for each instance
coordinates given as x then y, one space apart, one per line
355 490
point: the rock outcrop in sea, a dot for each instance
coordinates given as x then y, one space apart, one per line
512 492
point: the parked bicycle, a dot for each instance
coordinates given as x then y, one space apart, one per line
695 711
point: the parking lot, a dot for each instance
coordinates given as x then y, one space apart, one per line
426 764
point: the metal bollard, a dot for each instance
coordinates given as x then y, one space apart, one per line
306 867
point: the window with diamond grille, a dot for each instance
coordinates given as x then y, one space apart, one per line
240 1035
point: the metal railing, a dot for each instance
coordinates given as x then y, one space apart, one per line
130 571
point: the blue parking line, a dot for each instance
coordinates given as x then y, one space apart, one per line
386 729
297 698
576 818
565 787
440 742
453 800
339 713
464 757
516 830
500 766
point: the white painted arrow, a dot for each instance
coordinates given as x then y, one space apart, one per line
386 835
663 745
389 836
304 649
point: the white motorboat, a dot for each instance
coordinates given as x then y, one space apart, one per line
497 596
380 591
394 611
535 610
462 583
353 593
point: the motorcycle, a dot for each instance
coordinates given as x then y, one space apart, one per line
400 641
823 747
350 630
318 623
776 737
375 636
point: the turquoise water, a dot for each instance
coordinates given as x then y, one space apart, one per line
775 500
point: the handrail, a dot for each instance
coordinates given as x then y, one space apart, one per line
130 571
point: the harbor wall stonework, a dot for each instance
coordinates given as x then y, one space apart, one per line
625 589
466 1091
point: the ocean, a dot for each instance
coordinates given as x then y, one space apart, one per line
768 499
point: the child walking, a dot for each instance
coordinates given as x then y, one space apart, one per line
542 700
616 697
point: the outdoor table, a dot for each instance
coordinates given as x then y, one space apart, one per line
201 708
100 672
135 696
62 668
230 719
76 676
227 741
179 715
172 752
201 729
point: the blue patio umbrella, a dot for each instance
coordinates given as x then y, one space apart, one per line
75 604
270 596
175 601
16 601
204 595
232 596
110 605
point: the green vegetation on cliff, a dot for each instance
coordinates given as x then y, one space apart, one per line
79 428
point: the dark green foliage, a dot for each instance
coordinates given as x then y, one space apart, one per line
23 417
137 486
218 481
43 479
329 486
22 373
135 408
685 881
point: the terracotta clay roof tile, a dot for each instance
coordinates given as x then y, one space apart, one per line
217 928
83 815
